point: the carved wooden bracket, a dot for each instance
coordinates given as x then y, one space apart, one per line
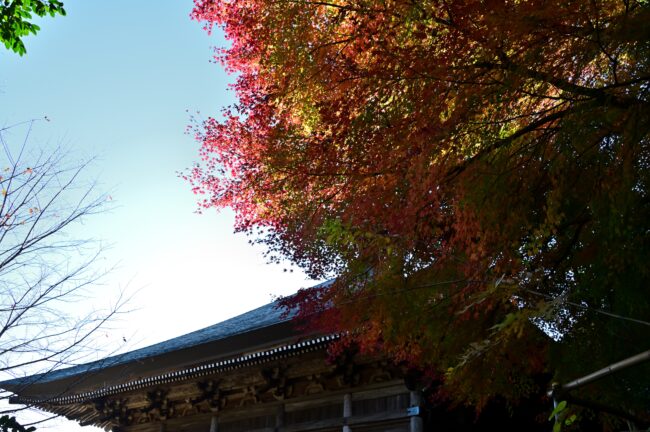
212 398
160 407
113 410
346 371
277 382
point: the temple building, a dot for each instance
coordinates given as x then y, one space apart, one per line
254 372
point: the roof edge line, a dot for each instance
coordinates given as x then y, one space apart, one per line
209 368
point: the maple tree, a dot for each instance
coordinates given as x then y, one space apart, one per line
475 174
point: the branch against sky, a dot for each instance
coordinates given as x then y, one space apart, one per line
47 273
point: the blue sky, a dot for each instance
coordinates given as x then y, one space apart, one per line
116 78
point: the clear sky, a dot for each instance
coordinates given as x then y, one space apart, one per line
116 78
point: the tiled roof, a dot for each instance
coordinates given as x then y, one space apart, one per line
264 316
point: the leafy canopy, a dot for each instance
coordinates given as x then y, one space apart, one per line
475 174
15 16
10 424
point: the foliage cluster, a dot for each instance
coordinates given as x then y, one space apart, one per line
475 174
15 16
10 424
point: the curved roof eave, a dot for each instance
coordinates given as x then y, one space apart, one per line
256 319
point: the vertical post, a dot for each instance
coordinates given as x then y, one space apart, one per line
416 421
279 418
163 426
214 424
347 411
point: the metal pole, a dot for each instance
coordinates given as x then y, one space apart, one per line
630 361
214 424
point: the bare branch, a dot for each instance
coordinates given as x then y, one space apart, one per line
42 270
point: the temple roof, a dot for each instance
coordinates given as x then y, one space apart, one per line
262 331
264 316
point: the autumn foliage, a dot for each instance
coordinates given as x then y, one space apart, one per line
474 173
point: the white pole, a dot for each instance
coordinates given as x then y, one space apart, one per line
347 411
